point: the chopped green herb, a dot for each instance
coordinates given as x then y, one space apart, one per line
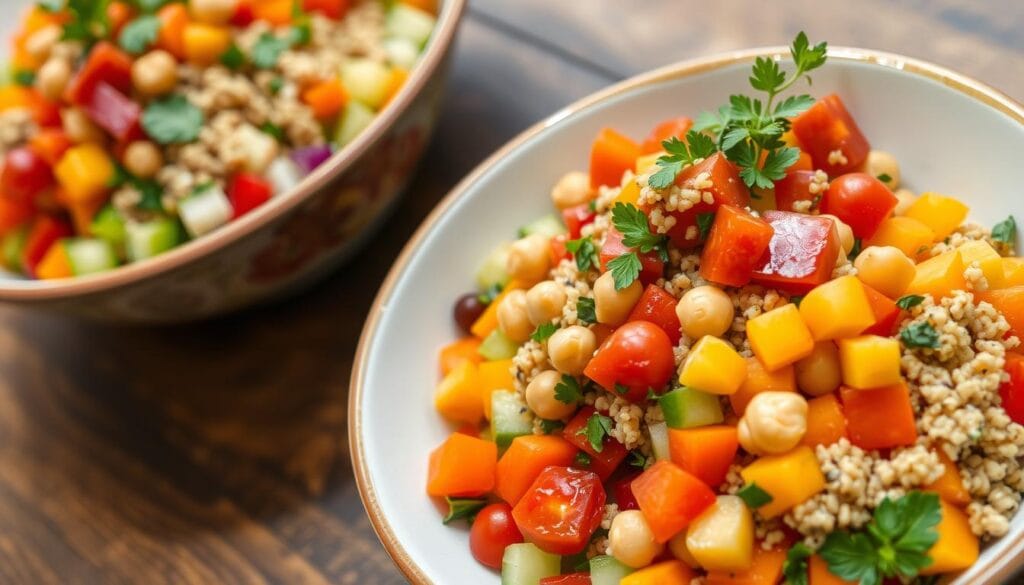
487 297
300 34
274 130
172 120
753 496
139 34
551 426
234 58
621 388
459 508
796 299
267 49
24 77
855 250
885 178
636 231
920 334
584 251
795 567
275 85
704 221
625 269
1005 231
582 459
638 459
909 302
568 391
586 311
88 21
543 332
598 427
680 155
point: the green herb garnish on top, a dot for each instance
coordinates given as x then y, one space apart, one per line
636 233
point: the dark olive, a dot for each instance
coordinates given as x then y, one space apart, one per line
467 310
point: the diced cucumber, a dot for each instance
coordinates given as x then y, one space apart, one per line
366 81
90 255
685 408
14 248
549 226
659 441
525 564
510 417
407 22
283 174
493 271
354 119
109 225
605 570
496 346
205 211
401 52
147 239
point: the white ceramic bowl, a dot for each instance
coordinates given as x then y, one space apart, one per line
950 134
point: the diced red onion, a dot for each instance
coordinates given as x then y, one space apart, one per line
310 157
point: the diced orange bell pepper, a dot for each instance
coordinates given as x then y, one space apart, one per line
493 376
957 547
939 276
457 397
765 569
488 320
663 573
55 264
670 498
118 15
456 352
395 83
462 466
82 211
205 43
950 485
275 12
906 233
325 98
173 20
774 474
826 422
880 418
869 361
819 574
1009 302
706 452
611 155
941 213
525 458
779 337
761 380
838 308
85 172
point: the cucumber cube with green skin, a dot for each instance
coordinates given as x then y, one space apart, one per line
496 346
205 211
354 119
366 81
686 408
493 271
90 255
525 564
510 418
407 22
401 52
659 441
549 226
605 570
109 225
147 239
14 248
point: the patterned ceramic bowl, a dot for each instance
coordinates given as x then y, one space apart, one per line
286 243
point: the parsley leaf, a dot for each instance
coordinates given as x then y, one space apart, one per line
24 77
636 232
543 332
273 129
267 49
621 388
855 250
753 496
796 300
638 459
586 310
920 334
885 178
233 58
459 508
275 85
139 34
909 302
704 221
568 390
551 426
795 566
598 427
625 269
172 120
680 155
1005 231
582 459
584 251
793 106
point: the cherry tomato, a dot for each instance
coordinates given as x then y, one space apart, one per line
651 265
25 174
571 579
1012 392
637 355
493 530
561 510
860 200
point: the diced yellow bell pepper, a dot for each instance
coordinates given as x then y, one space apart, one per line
780 337
837 308
990 262
761 380
713 366
205 43
645 162
869 361
1013 272
85 172
790 478
55 263
496 375
457 397
949 486
939 276
722 537
957 547
666 573
629 194
906 233
941 213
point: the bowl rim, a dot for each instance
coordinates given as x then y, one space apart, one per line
1000 568
31 290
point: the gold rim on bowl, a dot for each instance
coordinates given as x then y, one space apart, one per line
999 569
437 47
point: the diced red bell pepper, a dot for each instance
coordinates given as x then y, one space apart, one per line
611 155
887 314
576 217
561 510
1012 391
330 8
612 453
726 188
861 201
570 579
658 307
25 175
244 15
735 248
802 252
671 128
45 113
651 264
558 250
670 498
105 63
45 232
795 186
247 192
622 490
634 360
879 418
826 127
115 112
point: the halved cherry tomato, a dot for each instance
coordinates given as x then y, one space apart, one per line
1012 391
735 248
673 128
726 188
561 510
827 127
576 217
658 307
493 529
860 200
802 252
637 356
25 174
570 579
603 462
651 265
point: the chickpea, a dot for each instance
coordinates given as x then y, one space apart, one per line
528 259
612 306
819 373
53 77
513 319
40 43
155 73
845 233
544 302
79 127
213 11
886 269
774 422
904 199
631 540
881 163
143 159
540 397
571 190
571 348
705 310
677 546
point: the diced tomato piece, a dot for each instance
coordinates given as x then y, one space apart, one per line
45 232
244 15
570 579
860 200
726 188
887 314
802 252
558 250
880 418
114 112
651 265
13 213
51 144
561 510
330 8
25 174
1012 391
638 356
735 248
795 186
247 192
827 127
612 453
670 498
576 217
658 307
622 490
672 128
611 155
105 63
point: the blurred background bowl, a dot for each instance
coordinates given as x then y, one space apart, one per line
282 246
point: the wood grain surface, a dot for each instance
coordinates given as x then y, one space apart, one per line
216 453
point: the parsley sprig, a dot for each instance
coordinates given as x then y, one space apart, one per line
681 155
598 427
795 567
584 251
568 391
631 222
920 334
1005 231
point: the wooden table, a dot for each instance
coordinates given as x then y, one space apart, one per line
217 453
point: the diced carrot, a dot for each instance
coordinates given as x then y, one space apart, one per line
55 264
820 575
664 573
205 43
706 452
670 498
488 321
276 12
671 128
462 466
325 98
50 144
493 376
765 569
173 20
950 486
826 422
761 380
879 418
1009 302
611 155
525 458
118 15
456 352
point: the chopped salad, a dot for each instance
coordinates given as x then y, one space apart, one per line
128 127
740 353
